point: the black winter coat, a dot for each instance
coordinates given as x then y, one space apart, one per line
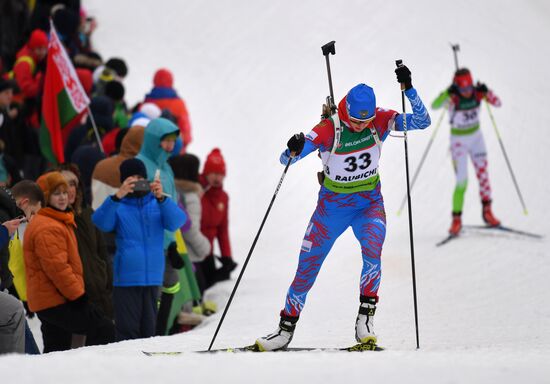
98 275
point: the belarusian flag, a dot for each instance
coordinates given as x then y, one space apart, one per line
64 100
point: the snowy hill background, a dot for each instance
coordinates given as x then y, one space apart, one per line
252 74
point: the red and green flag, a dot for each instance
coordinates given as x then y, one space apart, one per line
63 103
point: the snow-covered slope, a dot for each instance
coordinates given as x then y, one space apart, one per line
252 74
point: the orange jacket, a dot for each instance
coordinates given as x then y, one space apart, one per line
53 267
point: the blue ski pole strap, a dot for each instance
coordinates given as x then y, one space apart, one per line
285 156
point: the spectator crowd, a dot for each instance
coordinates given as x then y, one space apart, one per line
121 240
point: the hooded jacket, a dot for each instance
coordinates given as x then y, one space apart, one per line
106 175
139 224
155 158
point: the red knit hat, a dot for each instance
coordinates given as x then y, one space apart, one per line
214 163
38 39
163 78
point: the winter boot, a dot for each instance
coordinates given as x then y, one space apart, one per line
364 327
487 214
281 337
228 263
456 225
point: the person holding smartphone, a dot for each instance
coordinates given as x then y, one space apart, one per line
139 213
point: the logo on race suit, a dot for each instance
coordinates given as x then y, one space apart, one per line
306 246
357 142
365 175
311 136
220 206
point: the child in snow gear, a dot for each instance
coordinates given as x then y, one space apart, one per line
140 219
215 218
464 100
350 196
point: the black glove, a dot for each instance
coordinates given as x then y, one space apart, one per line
174 256
480 87
79 302
453 90
296 143
404 76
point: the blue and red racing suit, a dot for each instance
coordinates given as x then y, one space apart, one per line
349 197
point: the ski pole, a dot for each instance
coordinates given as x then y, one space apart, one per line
415 176
455 48
328 49
399 63
250 252
506 158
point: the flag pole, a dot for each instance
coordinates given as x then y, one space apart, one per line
96 131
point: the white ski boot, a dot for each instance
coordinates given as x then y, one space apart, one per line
364 327
281 337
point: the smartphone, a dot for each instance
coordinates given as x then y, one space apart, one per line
141 186
22 219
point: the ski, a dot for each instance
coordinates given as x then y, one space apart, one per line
161 353
361 347
506 229
446 240
485 227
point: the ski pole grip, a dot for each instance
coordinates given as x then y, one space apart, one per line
399 63
329 48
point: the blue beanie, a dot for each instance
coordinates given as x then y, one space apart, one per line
361 102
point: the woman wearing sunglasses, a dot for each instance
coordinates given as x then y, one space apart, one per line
464 101
350 144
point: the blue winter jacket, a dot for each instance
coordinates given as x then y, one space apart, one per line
139 224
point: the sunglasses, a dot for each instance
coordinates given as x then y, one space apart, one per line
465 89
361 122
